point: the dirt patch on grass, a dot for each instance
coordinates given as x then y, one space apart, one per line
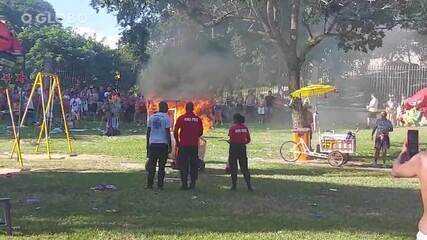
79 163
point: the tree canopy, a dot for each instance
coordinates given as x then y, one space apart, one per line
47 42
294 27
66 50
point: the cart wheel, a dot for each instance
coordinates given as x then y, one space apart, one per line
290 151
336 159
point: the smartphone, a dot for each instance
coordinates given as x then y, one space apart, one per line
413 143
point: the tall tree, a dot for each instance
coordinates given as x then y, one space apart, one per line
295 27
65 50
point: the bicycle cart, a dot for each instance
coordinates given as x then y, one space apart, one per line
344 144
335 148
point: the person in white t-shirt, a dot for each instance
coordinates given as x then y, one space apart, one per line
372 110
391 109
159 144
261 109
76 108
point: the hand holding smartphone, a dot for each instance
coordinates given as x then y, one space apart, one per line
412 146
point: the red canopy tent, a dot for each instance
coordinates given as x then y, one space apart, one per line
11 51
8 43
419 100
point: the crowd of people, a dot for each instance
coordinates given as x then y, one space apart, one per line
110 107
256 108
398 114
106 105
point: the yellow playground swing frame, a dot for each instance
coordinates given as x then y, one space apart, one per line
54 87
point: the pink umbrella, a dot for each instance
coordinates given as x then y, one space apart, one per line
419 99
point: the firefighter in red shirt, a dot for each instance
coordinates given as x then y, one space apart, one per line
187 132
239 138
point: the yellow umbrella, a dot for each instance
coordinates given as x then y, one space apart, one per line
313 90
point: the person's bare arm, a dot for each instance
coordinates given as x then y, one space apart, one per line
176 131
169 138
409 169
148 140
373 131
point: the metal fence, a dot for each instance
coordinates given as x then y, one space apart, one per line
72 78
398 80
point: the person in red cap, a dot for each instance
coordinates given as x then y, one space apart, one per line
187 132
239 138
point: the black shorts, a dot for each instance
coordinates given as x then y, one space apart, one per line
382 142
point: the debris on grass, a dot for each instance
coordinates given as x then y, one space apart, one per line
104 188
32 200
56 131
111 211
172 180
318 216
78 130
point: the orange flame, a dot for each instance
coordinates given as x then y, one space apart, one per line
202 108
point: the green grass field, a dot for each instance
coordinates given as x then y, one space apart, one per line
291 201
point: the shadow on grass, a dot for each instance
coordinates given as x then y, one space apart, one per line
307 171
67 205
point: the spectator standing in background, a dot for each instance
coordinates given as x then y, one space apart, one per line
308 120
261 109
108 92
372 110
85 102
240 102
381 131
116 110
391 109
93 102
101 95
76 108
251 104
140 117
218 110
269 104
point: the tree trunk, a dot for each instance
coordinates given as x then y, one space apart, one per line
294 64
297 106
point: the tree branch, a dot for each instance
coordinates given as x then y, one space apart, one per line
313 43
310 33
259 17
271 10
